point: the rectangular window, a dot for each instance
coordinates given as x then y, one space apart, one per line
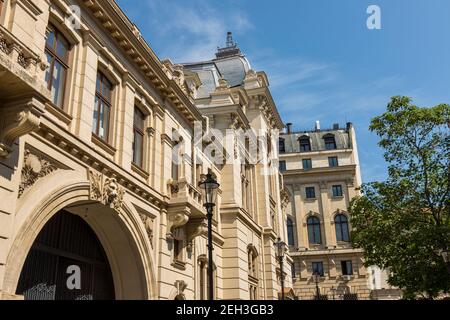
102 108
307 164
282 166
333 161
347 268
317 268
310 193
138 137
57 52
177 250
337 191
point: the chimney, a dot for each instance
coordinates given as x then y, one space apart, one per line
317 125
289 128
336 126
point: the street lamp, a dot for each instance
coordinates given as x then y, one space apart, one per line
317 280
280 250
209 187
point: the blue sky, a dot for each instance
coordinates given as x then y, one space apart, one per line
322 61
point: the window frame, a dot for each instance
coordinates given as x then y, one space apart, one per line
337 191
302 144
103 99
282 166
314 228
307 194
327 141
290 231
348 266
307 161
339 221
253 272
139 131
333 162
282 142
63 61
315 270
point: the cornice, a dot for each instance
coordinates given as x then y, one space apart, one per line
86 155
109 15
330 170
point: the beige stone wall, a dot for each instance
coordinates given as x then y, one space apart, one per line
138 231
324 206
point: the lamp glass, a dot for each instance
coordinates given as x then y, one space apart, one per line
209 187
280 248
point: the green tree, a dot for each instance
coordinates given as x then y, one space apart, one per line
403 223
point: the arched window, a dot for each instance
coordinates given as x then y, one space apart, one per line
290 232
305 144
253 272
330 142
57 52
342 232
314 234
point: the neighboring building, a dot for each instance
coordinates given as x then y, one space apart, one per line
322 173
90 125
379 286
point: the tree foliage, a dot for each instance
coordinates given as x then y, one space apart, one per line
403 223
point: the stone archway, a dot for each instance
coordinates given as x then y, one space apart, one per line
66 262
121 235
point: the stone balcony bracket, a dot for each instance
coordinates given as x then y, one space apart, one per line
18 119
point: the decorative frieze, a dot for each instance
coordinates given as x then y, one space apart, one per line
35 167
149 226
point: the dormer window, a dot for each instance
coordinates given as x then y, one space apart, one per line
330 142
305 144
282 145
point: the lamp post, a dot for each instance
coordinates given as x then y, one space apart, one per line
209 187
280 250
316 280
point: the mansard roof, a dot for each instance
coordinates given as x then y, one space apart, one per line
232 68
292 143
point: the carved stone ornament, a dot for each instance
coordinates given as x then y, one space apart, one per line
35 167
17 120
176 220
180 285
149 226
223 85
106 191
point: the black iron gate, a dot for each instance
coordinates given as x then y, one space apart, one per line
66 262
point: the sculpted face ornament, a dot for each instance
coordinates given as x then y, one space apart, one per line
110 193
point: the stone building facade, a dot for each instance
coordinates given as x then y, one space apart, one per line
99 163
322 173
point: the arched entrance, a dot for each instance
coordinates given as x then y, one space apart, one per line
66 262
122 236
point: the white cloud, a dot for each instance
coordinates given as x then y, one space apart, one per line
193 30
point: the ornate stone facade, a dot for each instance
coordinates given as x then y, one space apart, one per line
57 157
322 173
